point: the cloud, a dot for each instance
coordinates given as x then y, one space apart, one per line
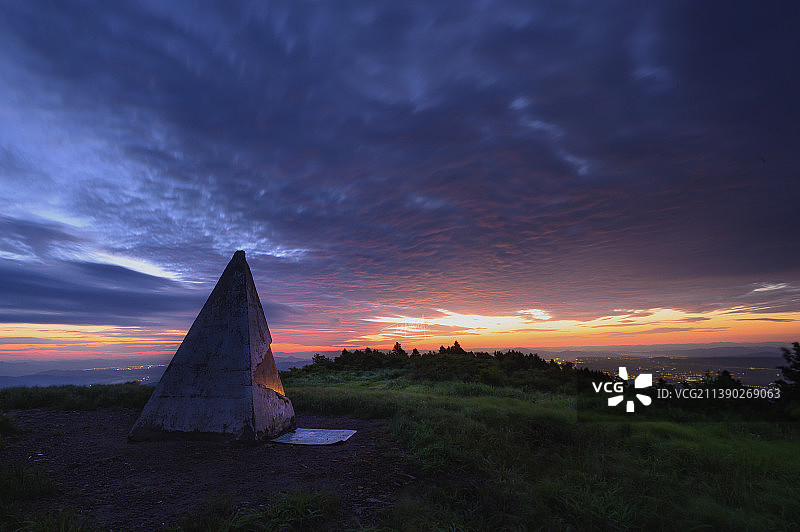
479 157
443 322
26 340
103 294
89 294
768 287
779 320
662 330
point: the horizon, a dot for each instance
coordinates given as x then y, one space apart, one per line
605 176
570 353
753 364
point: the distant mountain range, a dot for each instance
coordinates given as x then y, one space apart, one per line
99 371
149 370
689 351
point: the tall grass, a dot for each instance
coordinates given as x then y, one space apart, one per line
116 396
18 484
502 457
299 510
7 428
505 458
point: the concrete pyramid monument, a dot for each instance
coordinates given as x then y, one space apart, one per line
222 382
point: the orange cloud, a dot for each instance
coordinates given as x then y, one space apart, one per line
524 328
638 326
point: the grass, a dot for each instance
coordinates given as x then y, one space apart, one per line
61 521
7 428
295 510
116 396
19 484
57 521
499 457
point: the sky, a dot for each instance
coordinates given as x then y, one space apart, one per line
494 172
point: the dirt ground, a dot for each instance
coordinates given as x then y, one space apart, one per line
126 486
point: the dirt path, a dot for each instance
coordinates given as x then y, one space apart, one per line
140 486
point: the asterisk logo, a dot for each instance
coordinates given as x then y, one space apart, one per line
645 380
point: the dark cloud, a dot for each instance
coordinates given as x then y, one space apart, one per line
26 340
574 157
80 292
101 294
90 294
31 239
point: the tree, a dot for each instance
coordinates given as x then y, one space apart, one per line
321 361
790 387
455 349
397 350
724 380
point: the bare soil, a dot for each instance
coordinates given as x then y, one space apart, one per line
128 486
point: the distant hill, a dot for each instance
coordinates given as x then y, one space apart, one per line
104 371
149 370
749 351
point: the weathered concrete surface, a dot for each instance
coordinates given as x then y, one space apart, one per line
222 381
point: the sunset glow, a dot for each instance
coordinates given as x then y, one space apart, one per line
652 326
442 327
516 176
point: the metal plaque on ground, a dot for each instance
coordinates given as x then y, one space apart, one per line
314 436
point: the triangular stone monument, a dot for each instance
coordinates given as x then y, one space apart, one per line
222 382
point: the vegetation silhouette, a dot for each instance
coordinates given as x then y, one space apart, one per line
790 384
487 456
453 363
531 372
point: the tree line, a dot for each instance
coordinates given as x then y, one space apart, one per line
526 370
500 368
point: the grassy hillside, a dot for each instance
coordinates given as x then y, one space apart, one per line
500 457
510 455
